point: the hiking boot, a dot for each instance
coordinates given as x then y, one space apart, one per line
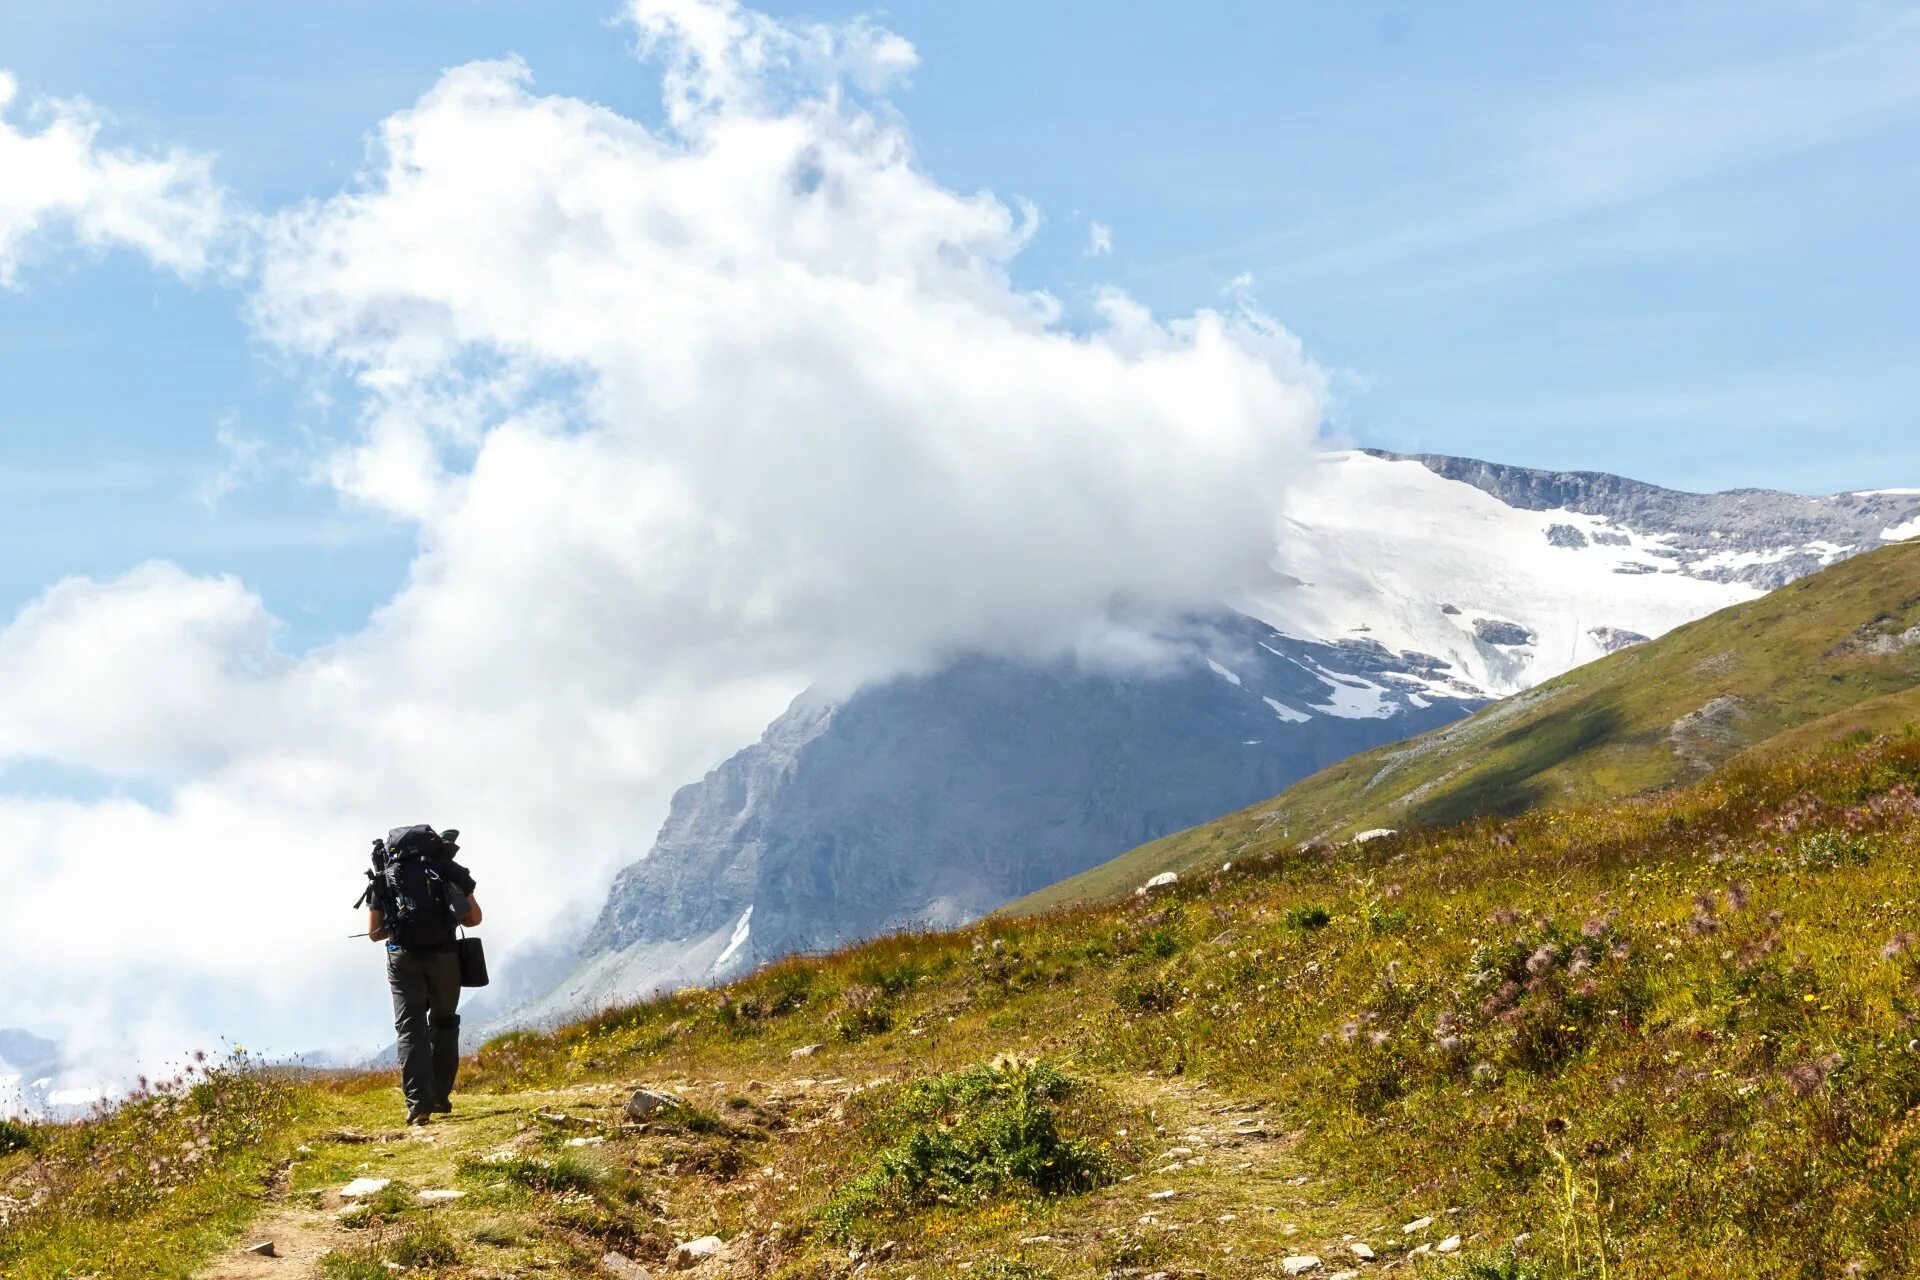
440 1109
423 1118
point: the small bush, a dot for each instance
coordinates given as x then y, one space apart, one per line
1308 917
971 1135
16 1136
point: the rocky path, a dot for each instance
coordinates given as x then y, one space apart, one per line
1226 1193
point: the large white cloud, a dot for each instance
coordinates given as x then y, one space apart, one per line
686 419
59 177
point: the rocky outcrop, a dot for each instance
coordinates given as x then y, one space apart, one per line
1757 536
931 800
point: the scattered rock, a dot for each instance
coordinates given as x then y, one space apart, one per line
691 1253
1614 639
1499 632
1449 1245
806 1051
1161 1195
1565 535
1164 880
1344 1275
1378 833
1418 1224
1299 1264
594 1141
363 1187
620 1266
1361 1250
439 1196
646 1103
264 1249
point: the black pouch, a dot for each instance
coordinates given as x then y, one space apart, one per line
473 962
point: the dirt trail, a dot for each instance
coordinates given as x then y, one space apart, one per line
1226 1188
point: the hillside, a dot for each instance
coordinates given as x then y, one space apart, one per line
1668 1036
1812 660
1400 593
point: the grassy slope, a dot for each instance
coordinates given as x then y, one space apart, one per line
1672 1033
1604 730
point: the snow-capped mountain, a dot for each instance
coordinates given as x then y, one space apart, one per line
1514 576
1403 592
37 1082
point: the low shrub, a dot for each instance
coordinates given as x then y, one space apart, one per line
988 1131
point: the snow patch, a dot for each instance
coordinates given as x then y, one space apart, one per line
1901 532
1223 673
1286 712
741 931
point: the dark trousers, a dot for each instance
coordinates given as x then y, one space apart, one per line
426 997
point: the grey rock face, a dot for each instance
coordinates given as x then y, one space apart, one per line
1565 535
1494 631
1799 534
932 800
1614 639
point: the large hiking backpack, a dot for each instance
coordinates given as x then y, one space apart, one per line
417 902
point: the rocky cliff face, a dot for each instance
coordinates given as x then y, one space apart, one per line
932 800
1756 536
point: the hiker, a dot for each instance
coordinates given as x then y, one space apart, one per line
416 900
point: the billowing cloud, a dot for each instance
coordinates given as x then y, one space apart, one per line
686 419
1099 240
58 178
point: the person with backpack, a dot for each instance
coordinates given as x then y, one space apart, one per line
417 897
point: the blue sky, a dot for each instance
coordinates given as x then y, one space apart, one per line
1671 241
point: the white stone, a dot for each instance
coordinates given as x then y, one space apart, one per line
1361 1250
1300 1263
264 1249
805 1051
363 1187
1344 1275
439 1196
585 1142
691 1253
1448 1245
1418 1224
1378 833
649 1102
1160 881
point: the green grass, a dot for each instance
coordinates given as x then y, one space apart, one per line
1667 1035
1792 664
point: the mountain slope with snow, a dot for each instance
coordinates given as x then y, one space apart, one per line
1403 592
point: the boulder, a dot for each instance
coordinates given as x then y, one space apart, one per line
1299 1264
1361 1250
1417 1225
1164 880
647 1103
1449 1245
806 1051
691 1253
363 1187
